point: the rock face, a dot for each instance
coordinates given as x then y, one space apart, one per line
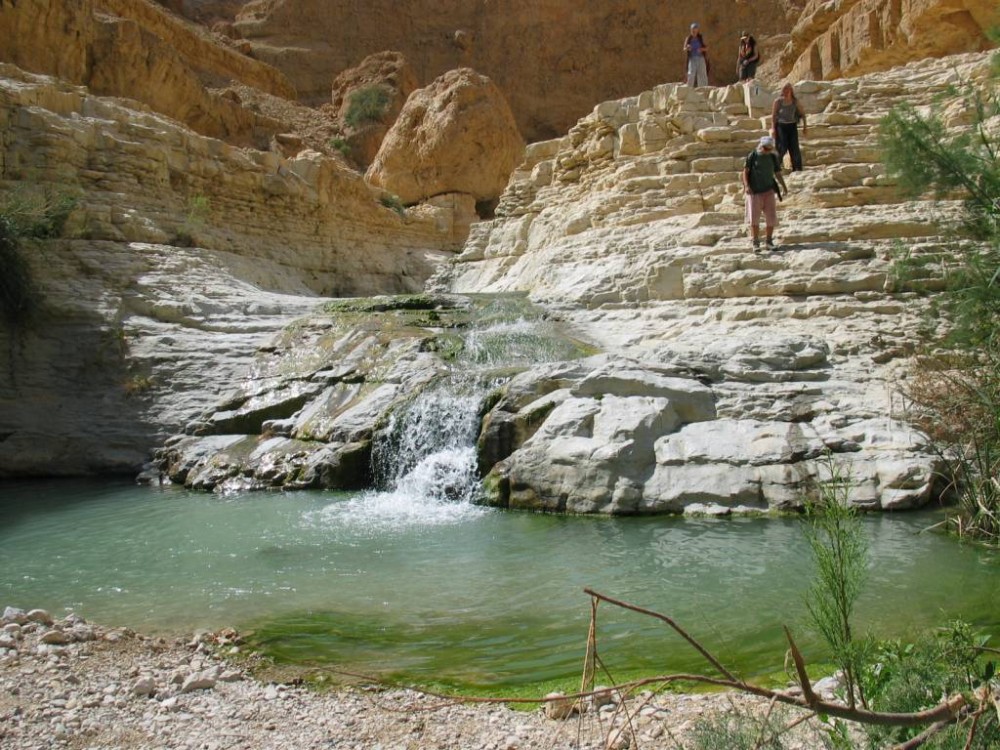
551 59
457 135
181 254
132 48
630 230
832 40
386 75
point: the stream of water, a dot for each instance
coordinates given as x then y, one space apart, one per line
413 580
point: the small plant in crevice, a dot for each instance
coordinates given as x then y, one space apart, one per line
341 145
198 210
393 201
136 385
366 105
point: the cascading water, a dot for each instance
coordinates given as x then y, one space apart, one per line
424 459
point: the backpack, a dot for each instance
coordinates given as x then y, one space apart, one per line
759 177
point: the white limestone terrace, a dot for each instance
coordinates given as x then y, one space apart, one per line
630 228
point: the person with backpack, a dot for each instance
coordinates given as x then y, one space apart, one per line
697 58
747 57
786 113
761 178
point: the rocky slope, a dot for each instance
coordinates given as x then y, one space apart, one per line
727 378
630 228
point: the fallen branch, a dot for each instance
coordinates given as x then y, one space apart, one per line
947 711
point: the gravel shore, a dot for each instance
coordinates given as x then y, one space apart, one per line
71 684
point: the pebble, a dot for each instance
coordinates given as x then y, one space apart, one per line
131 691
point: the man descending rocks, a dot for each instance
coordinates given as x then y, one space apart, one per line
761 178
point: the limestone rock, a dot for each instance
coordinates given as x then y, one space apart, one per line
384 80
832 40
140 335
457 135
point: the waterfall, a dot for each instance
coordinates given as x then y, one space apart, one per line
428 450
424 459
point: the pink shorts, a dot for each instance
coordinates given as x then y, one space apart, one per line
766 203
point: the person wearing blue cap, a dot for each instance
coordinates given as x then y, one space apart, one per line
697 58
761 177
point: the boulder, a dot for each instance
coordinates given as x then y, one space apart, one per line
457 135
367 99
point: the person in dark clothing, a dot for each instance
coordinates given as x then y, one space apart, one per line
786 113
748 57
762 182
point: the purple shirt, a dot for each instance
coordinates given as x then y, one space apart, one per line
695 43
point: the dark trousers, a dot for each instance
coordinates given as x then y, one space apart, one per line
788 143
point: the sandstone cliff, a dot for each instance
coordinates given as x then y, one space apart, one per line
832 40
135 49
552 59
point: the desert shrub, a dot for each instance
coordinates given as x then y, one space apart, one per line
908 677
366 106
955 388
341 145
393 201
26 211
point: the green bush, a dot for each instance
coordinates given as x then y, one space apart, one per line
26 211
955 388
909 677
341 145
366 106
393 201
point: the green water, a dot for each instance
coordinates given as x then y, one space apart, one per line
438 591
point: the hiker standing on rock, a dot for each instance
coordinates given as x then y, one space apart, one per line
761 177
747 58
697 58
785 116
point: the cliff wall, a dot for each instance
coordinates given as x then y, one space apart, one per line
552 59
180 254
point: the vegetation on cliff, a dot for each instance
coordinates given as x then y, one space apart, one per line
25 214
956 388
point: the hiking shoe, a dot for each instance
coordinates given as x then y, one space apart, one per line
770 244
756 246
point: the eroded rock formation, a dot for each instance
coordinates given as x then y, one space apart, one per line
383 80
833 40
134 49
456 135
180 254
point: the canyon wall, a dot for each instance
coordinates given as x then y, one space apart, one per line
181 253
552 59
135 49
